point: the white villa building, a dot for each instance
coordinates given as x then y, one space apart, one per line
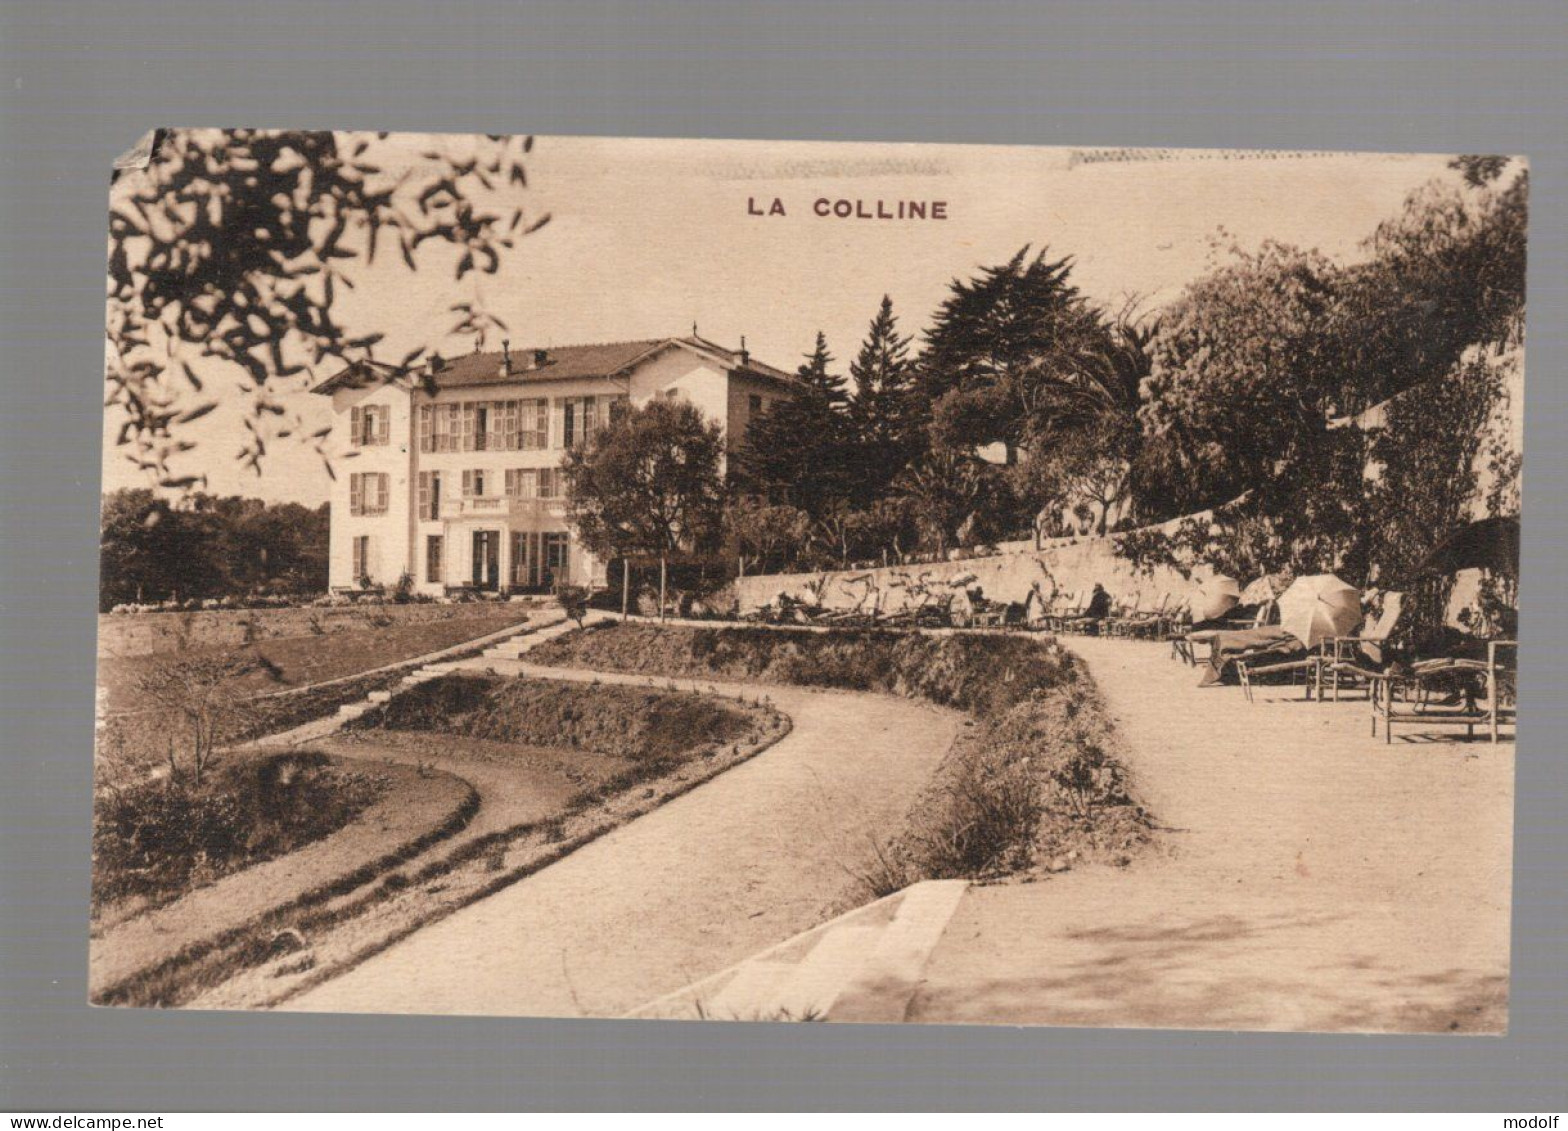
456 478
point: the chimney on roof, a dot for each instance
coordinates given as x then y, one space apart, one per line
541 358
433 364
745 358
506 357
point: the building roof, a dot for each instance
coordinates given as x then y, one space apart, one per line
562 363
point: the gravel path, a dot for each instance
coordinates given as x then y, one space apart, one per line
742 862
1314 878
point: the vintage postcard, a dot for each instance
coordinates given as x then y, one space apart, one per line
720 580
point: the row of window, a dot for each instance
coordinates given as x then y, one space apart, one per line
499 426
539 559
485 483
368 490
510 425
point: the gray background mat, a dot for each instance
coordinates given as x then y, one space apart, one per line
81 81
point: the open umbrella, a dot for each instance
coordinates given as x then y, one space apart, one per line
1216 596
1266 588
1490 543
1318 606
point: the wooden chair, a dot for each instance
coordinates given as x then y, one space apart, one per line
1408 697
1341 652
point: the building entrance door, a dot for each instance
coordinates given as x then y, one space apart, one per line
487 559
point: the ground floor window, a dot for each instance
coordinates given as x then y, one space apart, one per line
539 560
361 557
556 559
434 552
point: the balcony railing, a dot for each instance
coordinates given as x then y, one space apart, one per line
502 506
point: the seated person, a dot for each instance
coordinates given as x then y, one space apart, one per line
1098 609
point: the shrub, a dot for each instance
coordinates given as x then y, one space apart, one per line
626 722
404 589
161 838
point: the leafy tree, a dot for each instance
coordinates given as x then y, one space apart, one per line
942 493
1244 370
885 427
759 534
1085 466
648 483
206 546
1263 369
231 247
797 454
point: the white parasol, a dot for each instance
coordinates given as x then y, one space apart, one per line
1216 596
1319 606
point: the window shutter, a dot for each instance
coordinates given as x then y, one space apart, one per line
384 426
497 421
468 484
424 494
540 424
356 494
356 424
382 481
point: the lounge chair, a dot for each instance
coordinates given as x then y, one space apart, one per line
1148 622
1441 692
1353 660
1345 660
1222 633
1122 616
1064 606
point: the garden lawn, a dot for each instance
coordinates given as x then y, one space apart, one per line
297 661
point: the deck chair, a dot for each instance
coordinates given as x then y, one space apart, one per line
1352 661
1413 697
1176 620
1149 622
1063 606
1206 637
1123 614
1345 660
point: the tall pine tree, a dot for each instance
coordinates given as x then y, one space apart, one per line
797 454
886 431
1003 349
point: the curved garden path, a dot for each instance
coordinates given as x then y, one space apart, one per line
748 859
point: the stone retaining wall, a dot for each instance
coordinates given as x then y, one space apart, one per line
1066 565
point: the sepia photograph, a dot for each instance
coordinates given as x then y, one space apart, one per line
809 582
